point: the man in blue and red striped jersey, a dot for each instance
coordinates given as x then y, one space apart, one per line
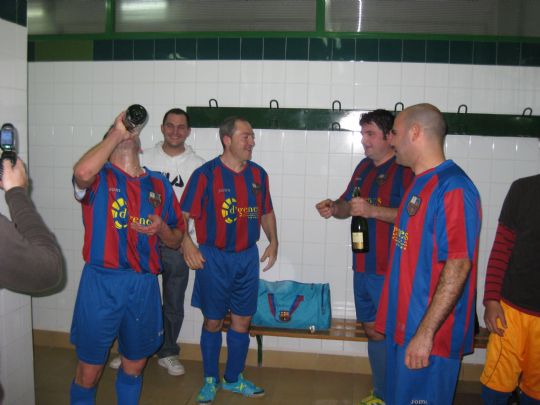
128 212
428 302
512 299
229 200
381 182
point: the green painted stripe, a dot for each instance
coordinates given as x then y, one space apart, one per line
70 50
294 48
324 120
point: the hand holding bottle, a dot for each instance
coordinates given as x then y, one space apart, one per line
361 207
359 226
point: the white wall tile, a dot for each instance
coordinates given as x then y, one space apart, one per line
343 73
274 71
319 95
320 73
366 73
295 71
389 74
436 75
296 95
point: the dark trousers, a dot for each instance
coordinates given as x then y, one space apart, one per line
175 280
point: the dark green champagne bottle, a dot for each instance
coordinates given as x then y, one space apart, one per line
359 231
136 117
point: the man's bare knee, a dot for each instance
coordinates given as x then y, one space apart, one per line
213 325
88 375
240 324
133 367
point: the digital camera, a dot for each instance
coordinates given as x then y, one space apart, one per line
8 137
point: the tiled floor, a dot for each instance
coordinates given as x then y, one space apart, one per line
54 370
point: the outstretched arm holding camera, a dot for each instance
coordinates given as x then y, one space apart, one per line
31 258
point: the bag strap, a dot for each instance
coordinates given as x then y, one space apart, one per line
284 316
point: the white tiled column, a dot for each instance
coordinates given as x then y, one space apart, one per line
16 354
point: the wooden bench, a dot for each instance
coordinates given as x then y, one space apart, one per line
340 329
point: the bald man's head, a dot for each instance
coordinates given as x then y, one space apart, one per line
429 118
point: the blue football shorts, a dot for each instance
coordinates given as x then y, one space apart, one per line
367 293
228 281
432 385
114 304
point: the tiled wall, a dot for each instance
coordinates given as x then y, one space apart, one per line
73 103
16 361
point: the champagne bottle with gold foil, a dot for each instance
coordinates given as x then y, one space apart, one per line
359 231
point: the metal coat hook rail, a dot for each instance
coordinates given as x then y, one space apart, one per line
312 119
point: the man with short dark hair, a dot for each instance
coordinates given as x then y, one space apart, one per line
381 183
428 301
229 200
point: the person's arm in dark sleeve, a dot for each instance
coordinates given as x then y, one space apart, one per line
31 262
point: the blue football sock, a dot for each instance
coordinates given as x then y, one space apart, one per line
524 399
128 388
210 349
377 359
81 395
492 397
237 348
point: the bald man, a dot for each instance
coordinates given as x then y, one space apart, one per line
428 301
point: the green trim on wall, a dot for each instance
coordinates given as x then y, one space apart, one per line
336 119
361 48
14 11
60 51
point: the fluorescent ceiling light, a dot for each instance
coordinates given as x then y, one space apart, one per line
34 12
143 5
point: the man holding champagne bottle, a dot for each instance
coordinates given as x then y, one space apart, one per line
128 212
374 193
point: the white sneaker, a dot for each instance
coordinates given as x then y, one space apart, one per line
115 363
172 364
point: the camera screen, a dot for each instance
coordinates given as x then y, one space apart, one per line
6 137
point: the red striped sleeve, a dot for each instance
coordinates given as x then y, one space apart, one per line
498 262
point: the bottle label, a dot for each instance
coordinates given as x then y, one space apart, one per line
357 240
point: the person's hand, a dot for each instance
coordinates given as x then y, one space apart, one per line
192 254
494 317
326 208
13 176
270 253
119 130
152 229
360 207
418 351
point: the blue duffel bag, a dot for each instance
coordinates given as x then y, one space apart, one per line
293 305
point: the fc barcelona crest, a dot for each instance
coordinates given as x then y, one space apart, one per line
255 187
155 199
413 205
381 178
